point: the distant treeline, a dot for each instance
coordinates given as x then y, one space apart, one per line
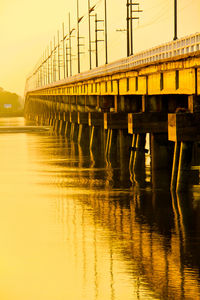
10 104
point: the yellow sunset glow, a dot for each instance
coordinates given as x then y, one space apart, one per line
28 27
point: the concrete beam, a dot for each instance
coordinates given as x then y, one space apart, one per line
116 120
147 122
184 127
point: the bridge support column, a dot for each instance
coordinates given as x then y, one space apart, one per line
66 128
184 168
62 127
97 139
74 132
80 129
161 160
108 141
139 160
83 135
57 125
51 122
175 165
54 122
111 147
132 156
124 143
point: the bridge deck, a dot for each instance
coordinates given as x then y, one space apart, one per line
170 69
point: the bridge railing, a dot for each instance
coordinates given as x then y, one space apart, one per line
185 45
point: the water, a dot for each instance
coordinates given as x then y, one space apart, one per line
71 229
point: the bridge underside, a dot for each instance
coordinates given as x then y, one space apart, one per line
114 112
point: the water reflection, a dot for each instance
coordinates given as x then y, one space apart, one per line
72 228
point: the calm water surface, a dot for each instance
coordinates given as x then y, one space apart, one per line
72 228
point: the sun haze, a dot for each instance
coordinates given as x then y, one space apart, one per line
28 27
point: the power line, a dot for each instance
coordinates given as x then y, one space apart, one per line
156 17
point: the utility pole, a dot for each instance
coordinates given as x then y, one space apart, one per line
63 29
127 28
78 44
78 37
70 47
58 56
175 20
67 59
106 32
48 63
51 61
130 19
54 60
96 37
96 43
44 72
90 10
89 24
39 76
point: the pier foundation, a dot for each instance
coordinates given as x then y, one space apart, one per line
184 167
161 160
139 160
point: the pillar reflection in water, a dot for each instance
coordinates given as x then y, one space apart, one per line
144 231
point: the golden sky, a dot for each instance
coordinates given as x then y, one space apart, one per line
27 27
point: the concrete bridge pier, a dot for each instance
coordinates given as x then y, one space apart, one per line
184 167
43 113
183 130
74 132
132 156
97 139
124 146
62 127
108 142
175 165
51 122
71 131
52 115
97 145
83 135
49 109
91 137
46 118
111 145
65 123
57 123
68 129
161 155
139 160
111 153
80 129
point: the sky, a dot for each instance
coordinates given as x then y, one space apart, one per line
27 28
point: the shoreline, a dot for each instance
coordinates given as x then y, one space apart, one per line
12 114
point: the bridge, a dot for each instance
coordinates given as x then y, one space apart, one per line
113 107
